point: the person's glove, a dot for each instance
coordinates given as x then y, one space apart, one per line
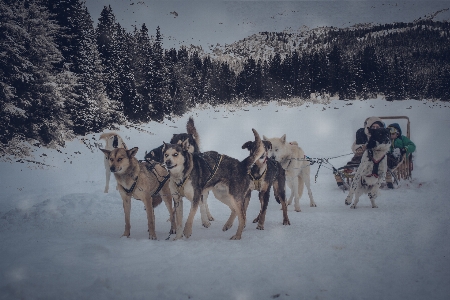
361 150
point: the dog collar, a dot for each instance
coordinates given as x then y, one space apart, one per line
133 186
180 187
257 182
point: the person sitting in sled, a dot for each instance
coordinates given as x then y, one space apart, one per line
359 146
400 145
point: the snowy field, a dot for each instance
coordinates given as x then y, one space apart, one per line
60 234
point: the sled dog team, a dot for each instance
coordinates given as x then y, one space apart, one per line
178 169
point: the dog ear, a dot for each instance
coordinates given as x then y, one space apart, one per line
248 145
185 144
283 139
107 152
268 145
132 152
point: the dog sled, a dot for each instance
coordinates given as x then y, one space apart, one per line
402 171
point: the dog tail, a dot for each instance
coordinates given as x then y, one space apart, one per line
256 153
190 128
106 135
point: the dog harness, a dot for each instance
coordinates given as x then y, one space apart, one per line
376 163
212 171
133 186
151 168
257 182
180 187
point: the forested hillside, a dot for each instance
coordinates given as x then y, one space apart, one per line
60 76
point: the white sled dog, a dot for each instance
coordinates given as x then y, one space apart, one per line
372 170
113 140
292 159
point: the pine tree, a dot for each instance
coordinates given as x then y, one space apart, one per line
158 82
141 64
107 42
87 103
31 106
129 100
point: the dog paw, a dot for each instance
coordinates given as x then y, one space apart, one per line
226 226
177 237
260 227
256 220
353 206
152 237
206 224
235 237
313 205
347 202
210 218
286 222
187 233
374 206
298 209
172 231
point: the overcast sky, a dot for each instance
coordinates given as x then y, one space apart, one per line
210 22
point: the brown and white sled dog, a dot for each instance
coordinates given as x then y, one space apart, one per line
192 175
292 159
372 169
113 140
142 181
265 173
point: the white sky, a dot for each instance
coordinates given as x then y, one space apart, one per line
211 22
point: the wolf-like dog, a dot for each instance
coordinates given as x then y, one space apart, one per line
192 175
192 136
372 170
142 181
292 159
113 140
193 139
265 173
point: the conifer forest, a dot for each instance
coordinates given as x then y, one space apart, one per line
61 76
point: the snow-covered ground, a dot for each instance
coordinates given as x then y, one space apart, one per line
60 234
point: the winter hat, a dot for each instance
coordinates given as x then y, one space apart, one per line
397 127
370 121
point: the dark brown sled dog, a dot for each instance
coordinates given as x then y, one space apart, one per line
265 173
192 175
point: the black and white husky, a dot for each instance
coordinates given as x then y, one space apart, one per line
372 170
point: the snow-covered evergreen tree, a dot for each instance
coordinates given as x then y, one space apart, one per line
158 81
108 47
141 64
89 107
30 105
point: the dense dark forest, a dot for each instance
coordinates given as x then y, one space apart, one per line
60 76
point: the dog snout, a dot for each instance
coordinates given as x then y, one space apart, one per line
273 157
112 169
168 163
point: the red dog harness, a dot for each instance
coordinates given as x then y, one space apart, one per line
376 163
